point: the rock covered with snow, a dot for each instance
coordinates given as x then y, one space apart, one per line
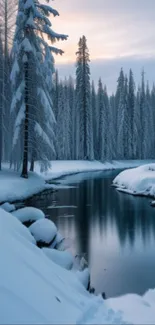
57 241
8 207
20 231
64 259
44 232
84 277
140 180
28 214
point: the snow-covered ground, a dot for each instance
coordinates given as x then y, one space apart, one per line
63 168
36 290
137 181
14 188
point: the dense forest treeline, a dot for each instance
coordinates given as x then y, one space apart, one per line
43 118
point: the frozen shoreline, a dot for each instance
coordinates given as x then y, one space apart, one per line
14 188
138 181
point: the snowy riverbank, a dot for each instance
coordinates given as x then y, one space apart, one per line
137 181
14 188
36 288
61 168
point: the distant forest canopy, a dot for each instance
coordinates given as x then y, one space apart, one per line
101 126
43 118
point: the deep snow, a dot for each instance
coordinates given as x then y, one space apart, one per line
63 168
137 181
35 290
28 214
43 230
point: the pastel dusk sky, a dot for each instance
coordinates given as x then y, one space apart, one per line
120 33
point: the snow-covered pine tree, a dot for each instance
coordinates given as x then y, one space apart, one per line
142 116
7 21
31 101
120 114
101 132
131 107
60 130
71 98
149 127
137 126
83 101
95 114
55 93
67 122
106 124
126 122
153 112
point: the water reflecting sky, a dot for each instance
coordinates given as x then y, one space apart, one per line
114 230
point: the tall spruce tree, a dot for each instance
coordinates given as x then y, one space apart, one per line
95 114
120 114
101 132
83 107
31 101
142 116
131 108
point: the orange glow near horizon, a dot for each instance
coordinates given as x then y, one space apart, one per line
109 35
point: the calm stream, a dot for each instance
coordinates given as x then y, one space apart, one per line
114 231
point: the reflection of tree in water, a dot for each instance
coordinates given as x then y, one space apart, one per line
130 215
84 200
99 204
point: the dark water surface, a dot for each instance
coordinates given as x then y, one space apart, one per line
115 231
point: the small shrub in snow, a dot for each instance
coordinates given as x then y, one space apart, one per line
44 232
80 263
28 215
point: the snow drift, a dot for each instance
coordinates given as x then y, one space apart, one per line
137 181
35 290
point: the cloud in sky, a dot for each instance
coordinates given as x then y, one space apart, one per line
117 31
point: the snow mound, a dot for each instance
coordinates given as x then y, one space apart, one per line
8 207
84 277
28 214
137 181
34 290
64 259
15 227
14 188
44 231
57 241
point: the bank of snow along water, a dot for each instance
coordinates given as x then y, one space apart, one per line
40 283
137 181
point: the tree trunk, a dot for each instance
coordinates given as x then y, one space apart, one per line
32 162
24 173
